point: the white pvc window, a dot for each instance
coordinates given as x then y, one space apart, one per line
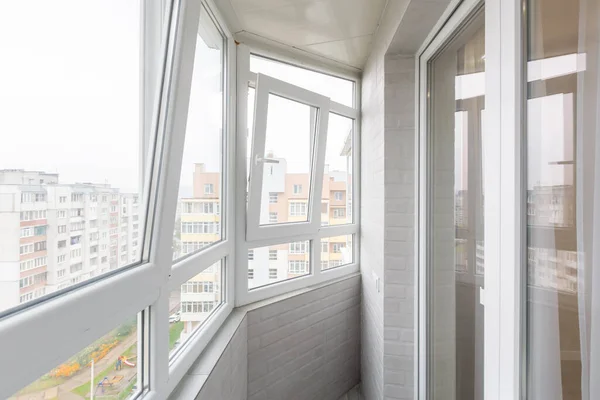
284 133
276 144
127 271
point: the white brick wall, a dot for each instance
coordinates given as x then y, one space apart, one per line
306 346
374 151
228 379
399 243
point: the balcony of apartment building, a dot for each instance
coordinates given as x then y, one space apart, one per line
303 200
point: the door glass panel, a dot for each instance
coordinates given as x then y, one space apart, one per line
456 120
563 157
289 147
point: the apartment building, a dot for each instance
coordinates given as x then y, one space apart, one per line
56 235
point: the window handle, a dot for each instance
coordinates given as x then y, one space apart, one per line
260 159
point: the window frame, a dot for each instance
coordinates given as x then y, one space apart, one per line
91 308
265 87
246 79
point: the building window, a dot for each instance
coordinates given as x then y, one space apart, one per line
26 232
61 259
273 197
76 267
337 247
272 217
338 196
273 255
324 247
209 188
62 199
250 273
297 189
61 273
272 273
339 213
39 246
297 209
62 244
250 255
297 267
62 214
298 247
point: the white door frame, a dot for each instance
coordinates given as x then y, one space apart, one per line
504 235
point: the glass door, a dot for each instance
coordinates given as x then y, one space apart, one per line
456 158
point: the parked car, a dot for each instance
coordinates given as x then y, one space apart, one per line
175 317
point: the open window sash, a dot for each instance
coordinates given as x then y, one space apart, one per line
258 226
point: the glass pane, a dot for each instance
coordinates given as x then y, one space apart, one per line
193 303
71 184
112 361
456 121
278 263
563 142
337 89
337 179
198 221
287 161
336 251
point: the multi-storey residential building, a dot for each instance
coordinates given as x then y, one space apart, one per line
56 235
285 199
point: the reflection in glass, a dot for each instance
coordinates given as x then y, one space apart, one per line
456 122
563 139
193 303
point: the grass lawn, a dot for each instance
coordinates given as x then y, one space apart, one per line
131 351
125 393
174 333
84 390
42 384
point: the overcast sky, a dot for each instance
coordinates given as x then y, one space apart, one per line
69 95
69 89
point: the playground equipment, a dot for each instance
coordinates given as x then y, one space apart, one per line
108 382
128 361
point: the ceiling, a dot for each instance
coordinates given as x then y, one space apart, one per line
337 30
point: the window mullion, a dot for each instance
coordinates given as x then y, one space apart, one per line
172 119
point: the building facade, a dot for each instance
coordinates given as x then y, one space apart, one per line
56 235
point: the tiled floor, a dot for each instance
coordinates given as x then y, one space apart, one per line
353 394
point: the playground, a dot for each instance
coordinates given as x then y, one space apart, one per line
115 369
115 375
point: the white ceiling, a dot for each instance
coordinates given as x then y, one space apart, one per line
338 30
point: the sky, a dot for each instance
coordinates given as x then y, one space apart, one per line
70 95
69 89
